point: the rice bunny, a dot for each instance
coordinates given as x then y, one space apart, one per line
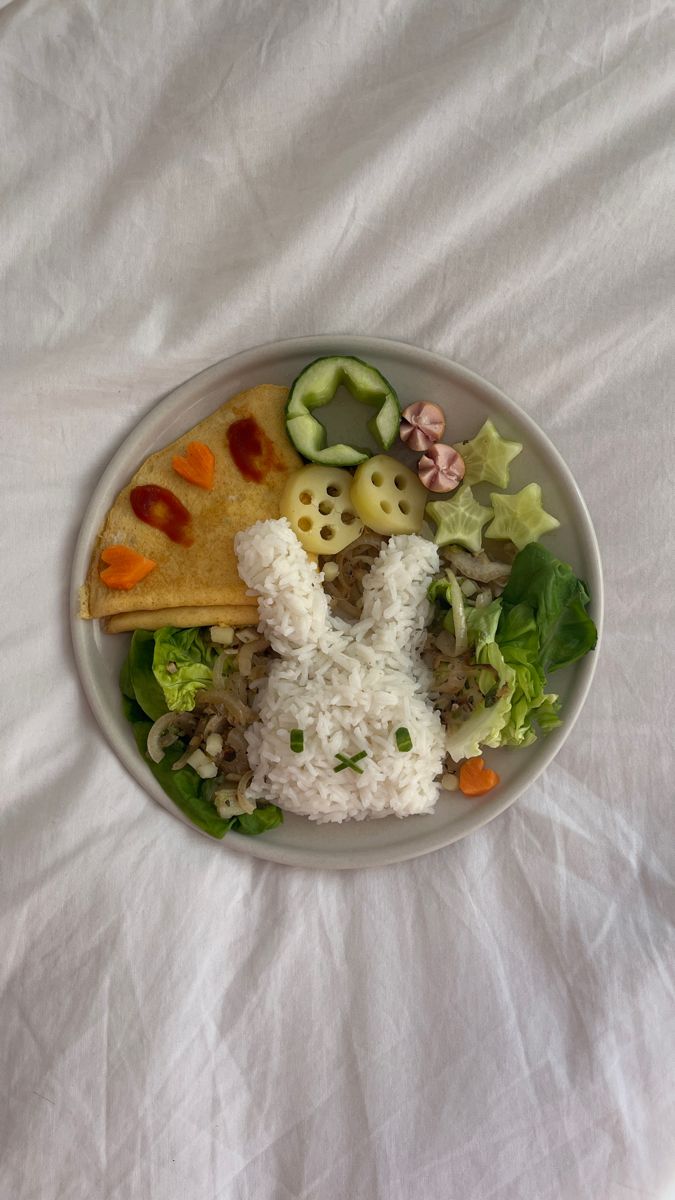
347 687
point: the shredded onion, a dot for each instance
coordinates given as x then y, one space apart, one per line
225 800
353 564
215 724
446 644
247 633
477 566
458 615
184 759
235 709
242 799
236 741
245 658
223 660
165 731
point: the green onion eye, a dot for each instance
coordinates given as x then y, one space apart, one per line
403 739
297 741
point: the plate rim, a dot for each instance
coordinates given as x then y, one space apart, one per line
254 357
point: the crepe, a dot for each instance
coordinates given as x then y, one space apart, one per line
236 615
196 584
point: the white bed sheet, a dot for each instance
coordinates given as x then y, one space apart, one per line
488 180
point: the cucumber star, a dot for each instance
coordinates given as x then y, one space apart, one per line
459 520
487 456
520 518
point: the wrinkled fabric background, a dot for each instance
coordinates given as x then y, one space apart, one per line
492 181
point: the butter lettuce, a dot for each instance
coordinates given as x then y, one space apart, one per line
557 601
484 726
481 623
531 706
182 664
137 679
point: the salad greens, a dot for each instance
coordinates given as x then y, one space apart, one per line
149 691
519 644
182 663
558 602
538 625
139 682
484 725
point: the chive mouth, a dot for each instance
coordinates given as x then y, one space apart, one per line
350 761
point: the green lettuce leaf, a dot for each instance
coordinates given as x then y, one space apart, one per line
182 665
267 817
483 727
137 679
518 640
481 623
557 600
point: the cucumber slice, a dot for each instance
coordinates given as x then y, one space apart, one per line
309 438
459 520
317 385
520 518
487 456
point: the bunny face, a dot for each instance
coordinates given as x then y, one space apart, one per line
347 687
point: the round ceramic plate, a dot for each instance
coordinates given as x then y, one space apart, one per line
467 400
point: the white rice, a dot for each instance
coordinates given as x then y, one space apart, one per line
347 687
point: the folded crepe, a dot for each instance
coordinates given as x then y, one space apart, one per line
198 583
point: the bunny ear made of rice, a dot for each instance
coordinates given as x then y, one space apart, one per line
395 605
293 608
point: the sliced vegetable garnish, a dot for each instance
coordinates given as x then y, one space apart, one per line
487 456
403 739
459 520
387 496
297 739
520 518
197 465
125 567
475 779
350 761
317 504
316 386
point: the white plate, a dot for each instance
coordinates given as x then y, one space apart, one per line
467 400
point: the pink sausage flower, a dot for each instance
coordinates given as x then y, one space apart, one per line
422 424
441 469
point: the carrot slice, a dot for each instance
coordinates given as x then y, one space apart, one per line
126 568
475 779
198 465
